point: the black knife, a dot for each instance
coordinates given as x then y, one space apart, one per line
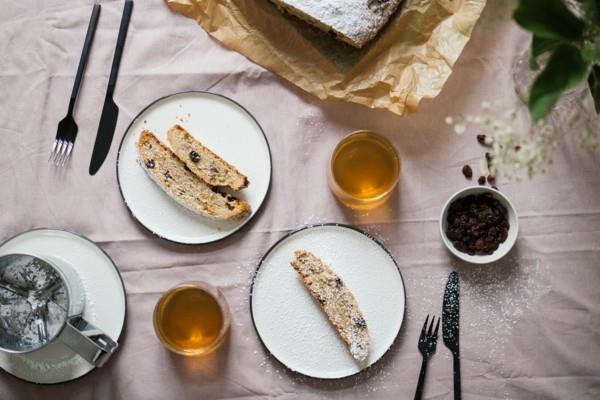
110 111
450 326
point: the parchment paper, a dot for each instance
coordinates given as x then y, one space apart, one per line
410 59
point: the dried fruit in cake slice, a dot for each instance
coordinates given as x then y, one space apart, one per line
336 300
203 162
172 176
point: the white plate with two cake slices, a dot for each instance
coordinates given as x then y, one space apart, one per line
220 124
292 325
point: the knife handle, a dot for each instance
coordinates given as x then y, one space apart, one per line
114 71
87 44
457 389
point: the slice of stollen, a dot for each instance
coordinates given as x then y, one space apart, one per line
172 176
336 300
203 162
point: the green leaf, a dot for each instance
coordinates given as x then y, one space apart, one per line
594 84
540 46
549 19
566 68
590 10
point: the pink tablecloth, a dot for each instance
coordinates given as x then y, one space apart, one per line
530 325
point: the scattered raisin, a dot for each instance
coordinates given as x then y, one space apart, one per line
481 139
168 175
491 179
488 159
338 282
517 148
467 172
495 187
481 180
194 156
150 164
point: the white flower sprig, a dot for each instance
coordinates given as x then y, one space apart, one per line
517 146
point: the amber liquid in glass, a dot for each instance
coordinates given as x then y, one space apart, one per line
365 167
189 319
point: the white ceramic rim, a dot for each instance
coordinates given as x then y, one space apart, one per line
243 223
307 228
504 247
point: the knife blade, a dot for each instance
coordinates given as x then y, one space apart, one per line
110 111
450 326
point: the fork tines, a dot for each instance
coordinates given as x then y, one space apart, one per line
428 338
61 151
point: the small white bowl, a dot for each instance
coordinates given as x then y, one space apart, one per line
504 247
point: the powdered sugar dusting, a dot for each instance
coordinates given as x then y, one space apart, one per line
500 295
357 21
336 300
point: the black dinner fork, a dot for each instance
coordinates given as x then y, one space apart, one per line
427 345
67 128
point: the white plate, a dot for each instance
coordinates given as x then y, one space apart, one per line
292 325
223 126
105 305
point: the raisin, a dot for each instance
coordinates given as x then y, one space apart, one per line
150 164
481 139
491 179
338 282
477 224
467 172
481 180
194 156
360 322
488 160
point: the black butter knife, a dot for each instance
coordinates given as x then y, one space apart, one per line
450 325
110 111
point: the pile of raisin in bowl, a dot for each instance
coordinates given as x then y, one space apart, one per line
477 224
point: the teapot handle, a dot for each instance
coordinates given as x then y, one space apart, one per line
89 342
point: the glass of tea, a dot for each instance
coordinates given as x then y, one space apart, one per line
364 170
192 318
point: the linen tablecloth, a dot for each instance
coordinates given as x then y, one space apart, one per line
530 324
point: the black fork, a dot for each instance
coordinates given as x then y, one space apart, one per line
427 345
67 128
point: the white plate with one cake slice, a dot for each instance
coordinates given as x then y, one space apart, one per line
291 323
224 127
